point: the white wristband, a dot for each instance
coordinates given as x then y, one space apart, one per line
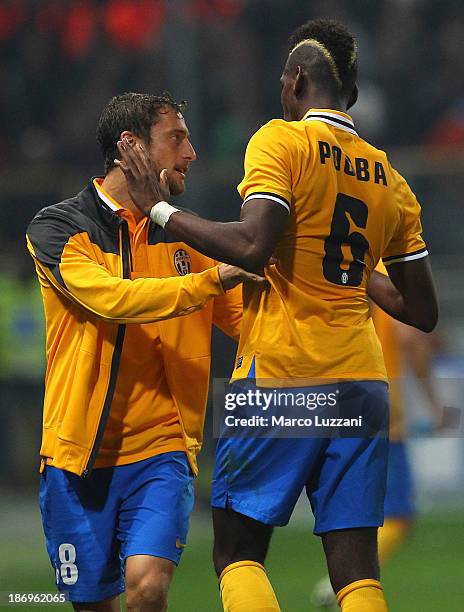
161 212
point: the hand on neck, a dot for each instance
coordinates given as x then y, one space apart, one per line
115 185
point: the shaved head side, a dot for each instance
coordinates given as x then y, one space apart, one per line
339 44
318 62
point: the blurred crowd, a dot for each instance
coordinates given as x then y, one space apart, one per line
61 60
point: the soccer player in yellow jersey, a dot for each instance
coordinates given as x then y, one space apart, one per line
329 206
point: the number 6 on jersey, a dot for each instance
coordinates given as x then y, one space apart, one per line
339 234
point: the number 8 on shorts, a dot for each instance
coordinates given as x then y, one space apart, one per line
68 569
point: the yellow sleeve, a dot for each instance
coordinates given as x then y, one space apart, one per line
406 242
381 269
227 312
82 279
268 166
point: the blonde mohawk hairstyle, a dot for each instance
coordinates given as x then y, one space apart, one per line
323 49
336 42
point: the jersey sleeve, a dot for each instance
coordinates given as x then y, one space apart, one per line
406 242
268 166
65 259
381 269
227 312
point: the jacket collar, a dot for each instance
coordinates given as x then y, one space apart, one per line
104 196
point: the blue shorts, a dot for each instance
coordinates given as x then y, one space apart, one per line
399 498
91 526
344 478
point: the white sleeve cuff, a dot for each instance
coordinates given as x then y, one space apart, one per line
268 196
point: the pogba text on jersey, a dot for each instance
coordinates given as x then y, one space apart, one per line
361 169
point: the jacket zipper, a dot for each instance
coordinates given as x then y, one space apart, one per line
116 359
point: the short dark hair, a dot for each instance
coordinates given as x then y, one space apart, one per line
338 41
135 112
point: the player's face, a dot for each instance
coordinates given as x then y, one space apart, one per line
171 148
287 97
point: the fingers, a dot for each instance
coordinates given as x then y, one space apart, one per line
138 164
144 158
135 157
231 276
141 174
129 156
123 161
164 184
249 277
121 165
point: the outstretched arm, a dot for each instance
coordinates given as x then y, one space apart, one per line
74 271
247 243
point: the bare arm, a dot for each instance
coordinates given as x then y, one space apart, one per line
407 294
247 243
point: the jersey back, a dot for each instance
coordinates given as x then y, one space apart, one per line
348 208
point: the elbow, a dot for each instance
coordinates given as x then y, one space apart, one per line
111 312
111 315
427 326
253 259
427 321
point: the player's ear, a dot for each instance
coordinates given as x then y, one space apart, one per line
299 84
353 97
129 135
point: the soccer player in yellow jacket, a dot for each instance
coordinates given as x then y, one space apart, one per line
329 206
127 374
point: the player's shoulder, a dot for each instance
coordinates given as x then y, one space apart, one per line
58 209
276 133
372 152
68 217
285 128
271 129
58 213
50 229
395 180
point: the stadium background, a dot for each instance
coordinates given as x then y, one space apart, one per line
62 60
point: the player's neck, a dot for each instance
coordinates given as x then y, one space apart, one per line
320 100
115 185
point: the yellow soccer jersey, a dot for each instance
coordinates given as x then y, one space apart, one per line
347 209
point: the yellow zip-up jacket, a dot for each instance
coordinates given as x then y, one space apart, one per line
83 260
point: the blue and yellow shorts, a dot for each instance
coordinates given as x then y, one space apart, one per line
91 526
261 473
